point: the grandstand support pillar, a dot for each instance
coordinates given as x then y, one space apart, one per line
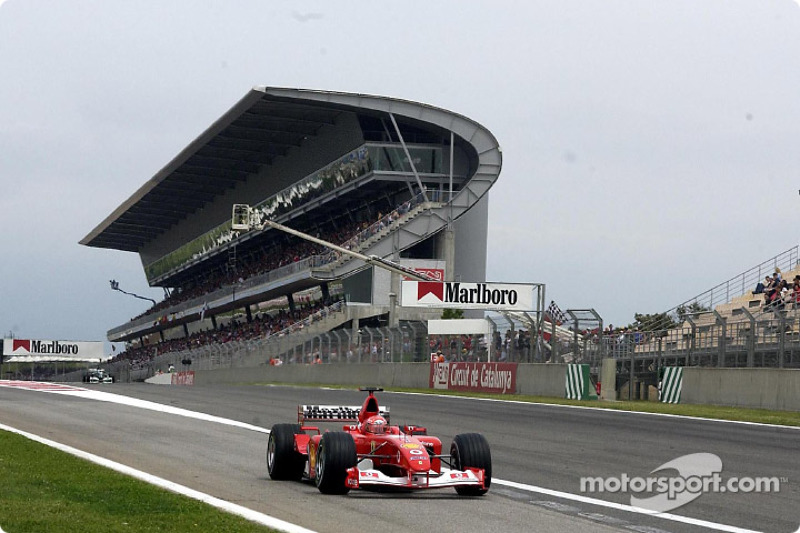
534 354
632 376
575 345
393 320
692 340
600 346
490 341
539 351
326 293
345 355
355 335
290 299
394 282
781 338
328 338
723 338
449 254
370 346
751 338
659 358
248 313
161 335
214 322
390 334
185 329
510 347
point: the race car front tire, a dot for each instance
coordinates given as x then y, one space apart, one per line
472 450
335 454
283 461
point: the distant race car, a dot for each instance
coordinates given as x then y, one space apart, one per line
371 454
97 375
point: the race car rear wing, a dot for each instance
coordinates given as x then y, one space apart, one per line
333 413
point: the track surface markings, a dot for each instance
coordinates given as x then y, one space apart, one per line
126 400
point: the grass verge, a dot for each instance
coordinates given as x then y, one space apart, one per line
43 489
717 412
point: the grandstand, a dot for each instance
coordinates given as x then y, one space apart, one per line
729 325
396 179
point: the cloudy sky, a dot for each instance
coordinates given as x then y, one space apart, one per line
651 147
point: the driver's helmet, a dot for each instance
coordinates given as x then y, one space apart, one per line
375 425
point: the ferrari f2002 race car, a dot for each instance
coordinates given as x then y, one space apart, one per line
369 453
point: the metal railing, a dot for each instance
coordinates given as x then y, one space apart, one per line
738 339
736 286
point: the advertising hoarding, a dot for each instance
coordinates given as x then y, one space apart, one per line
499 378
42 351
461 295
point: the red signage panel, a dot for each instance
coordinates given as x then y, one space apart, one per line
183 378
498 378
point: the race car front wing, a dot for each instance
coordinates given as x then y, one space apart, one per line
359 478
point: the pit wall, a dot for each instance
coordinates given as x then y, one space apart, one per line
534 379
760 388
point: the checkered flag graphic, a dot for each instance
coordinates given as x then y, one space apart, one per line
555 314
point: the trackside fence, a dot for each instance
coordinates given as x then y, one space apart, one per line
765 340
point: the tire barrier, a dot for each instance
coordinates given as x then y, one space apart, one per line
669 390
579 383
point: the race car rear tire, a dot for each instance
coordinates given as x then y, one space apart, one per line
283 461
335 454
472 450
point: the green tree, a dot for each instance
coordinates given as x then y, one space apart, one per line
686 310
450 314
653 322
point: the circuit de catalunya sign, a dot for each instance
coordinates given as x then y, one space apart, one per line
499 378
459 295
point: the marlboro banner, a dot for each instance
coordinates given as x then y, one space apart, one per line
458 295
499 378
41 351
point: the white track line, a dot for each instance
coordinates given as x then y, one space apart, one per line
153 406
233 508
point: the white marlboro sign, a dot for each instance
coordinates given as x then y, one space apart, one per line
38 351
459 295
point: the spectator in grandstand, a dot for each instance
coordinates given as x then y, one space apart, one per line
775 296
785 294
761 286
269 258
770 289
795 297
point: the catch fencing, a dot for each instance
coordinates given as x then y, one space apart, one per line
710 339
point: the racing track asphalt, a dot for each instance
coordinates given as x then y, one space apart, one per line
533 445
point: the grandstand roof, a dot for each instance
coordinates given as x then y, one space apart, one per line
263 125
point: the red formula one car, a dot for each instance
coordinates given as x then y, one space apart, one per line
371 453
